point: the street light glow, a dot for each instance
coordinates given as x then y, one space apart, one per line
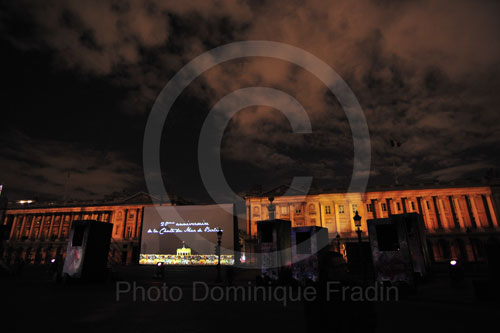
22 202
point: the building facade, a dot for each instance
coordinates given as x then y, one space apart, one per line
458 220
38 233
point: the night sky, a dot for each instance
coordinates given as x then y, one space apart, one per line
79 79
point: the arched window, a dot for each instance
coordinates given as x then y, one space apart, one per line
19 254
38 255
27 255
461 249
430 250
478 247
444 246
312 209
10 251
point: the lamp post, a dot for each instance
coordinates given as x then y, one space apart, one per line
271 208
219 239
357 223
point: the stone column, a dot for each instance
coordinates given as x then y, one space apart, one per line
442 211
427 217
51 226
472 217
136 222
332 228
456 222
32 227
22 221
125 218
15 221
337 222
436 210
403 203
351 215
28 223
388 204
487 211
249 220
364 216
61 225
492 211
474 211
458 212
42 225
418 206
379 204
321 215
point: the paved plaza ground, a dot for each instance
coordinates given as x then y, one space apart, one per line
33 301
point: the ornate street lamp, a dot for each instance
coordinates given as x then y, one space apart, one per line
219 240
271 208
357 223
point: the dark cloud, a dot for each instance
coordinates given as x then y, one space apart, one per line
425 73
50 169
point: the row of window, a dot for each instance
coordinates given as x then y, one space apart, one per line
119 216
369 207
128 232
328 210
298 210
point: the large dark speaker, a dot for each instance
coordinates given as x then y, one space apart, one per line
398 247
275 252
309 245
88 247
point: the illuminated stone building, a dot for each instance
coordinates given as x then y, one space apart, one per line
39 232
458 220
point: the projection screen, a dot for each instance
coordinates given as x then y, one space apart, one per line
187 235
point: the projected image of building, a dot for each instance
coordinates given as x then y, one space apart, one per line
184 251
196 227
184 256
